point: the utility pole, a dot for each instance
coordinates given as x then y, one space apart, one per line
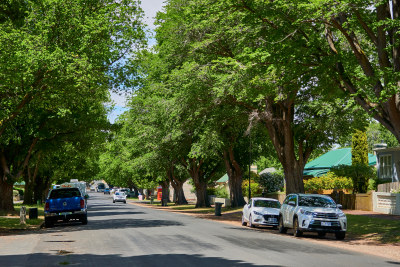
249 167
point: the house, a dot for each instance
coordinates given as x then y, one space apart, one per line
388 163
333 158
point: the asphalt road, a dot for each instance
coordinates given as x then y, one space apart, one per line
128 235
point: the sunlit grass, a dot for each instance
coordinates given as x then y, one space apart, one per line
381 230
14 223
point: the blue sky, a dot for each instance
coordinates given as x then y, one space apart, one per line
150 8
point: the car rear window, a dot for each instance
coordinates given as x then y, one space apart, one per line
65 193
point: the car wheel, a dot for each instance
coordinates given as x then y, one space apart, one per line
48 223
340 235
321 234
84 219
244 223
282 229
296 228
125 201
113 201
251 222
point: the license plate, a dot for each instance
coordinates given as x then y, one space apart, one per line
272 220
65 213
325 224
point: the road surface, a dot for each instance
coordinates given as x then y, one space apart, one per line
129 235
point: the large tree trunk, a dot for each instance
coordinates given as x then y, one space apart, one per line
29 185
180 198
41 187
235 175
278 118
6 196
165 192
179 195
201 193
199 181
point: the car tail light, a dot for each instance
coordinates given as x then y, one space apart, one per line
82 203
47 206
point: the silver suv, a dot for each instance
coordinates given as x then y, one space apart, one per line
312 213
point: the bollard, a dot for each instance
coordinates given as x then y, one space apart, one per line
218 207
33 213
22 215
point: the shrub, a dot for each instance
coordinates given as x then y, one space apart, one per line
221 191
211 191
256 190
359 173
328 181
271 182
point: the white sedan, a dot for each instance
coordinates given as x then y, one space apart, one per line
119 197
261 211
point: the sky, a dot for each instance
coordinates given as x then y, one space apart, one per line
150 8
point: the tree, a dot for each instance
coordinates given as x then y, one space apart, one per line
280 86
57 64
377 133
359 148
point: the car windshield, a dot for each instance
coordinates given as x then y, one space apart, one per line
267 204
64 193
316 201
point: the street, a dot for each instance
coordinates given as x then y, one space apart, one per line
129 235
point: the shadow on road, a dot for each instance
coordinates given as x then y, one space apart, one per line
112 224
68 258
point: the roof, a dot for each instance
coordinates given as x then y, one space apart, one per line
268 170
333 158
223 179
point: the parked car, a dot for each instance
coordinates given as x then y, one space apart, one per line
119 197
312 213
261 211
107 191
65 204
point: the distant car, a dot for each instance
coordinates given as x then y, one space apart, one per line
119 197
107 191
261 211
312 213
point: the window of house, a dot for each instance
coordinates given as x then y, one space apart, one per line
385 167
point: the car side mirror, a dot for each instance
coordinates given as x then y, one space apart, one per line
339 206
292 203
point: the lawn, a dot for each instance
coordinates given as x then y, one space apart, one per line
381 230
13 221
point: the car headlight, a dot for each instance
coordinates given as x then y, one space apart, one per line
306 212
257 213
341 214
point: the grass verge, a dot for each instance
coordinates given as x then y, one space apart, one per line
11 221
381 230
